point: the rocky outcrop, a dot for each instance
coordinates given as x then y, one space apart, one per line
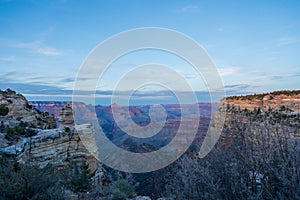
49 145
20 110
54 146
66 117
281 100
276 109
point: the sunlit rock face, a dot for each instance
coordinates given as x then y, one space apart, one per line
275 109
275 104
281 100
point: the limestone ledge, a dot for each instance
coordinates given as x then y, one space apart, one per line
56 146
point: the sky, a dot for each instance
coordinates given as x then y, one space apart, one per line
254 45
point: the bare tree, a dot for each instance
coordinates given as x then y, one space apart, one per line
258 157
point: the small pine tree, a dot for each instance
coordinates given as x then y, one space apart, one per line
3 110
78 177
121 189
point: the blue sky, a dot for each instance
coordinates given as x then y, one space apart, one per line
254 44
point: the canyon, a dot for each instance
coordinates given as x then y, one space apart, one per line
56 140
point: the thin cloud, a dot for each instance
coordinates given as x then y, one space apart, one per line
67 80
188 9
283 76
229 71
37 47
32 79
48 51
245 71
284 41
30 88
238 86
15 76
240 89
7 59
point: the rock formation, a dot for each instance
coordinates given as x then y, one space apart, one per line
49 145
66 117
20 110
272 101
278 109
53 146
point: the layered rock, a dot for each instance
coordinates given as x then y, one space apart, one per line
20 110
276 109
57 146
66 117
288 100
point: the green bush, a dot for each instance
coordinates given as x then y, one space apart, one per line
2 127
121 189
28 181
77 177
16 132
67 129
3 110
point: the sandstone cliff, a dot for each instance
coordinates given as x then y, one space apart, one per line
66 116
279 100
55 146
275 110
20 110
48 145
